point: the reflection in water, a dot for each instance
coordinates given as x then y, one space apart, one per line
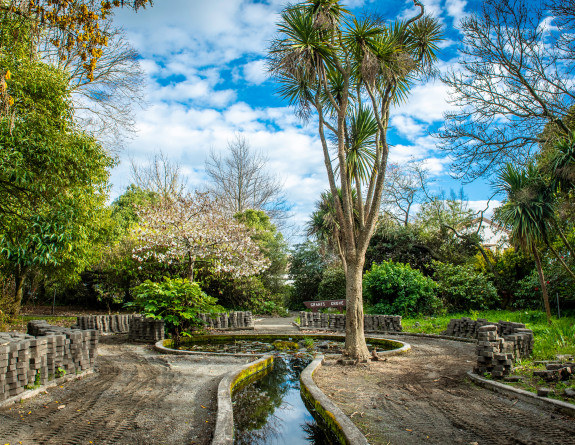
271 410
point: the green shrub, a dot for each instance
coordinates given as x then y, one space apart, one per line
176 301
332 286
306 272
462 288
397 289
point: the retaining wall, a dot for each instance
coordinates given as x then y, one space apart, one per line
106 324
44 353
336 322
233 320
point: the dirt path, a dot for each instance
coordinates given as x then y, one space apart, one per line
136 396
423 398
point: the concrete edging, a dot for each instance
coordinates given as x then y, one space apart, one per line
526 396
159 346
341 425
28 394
224 429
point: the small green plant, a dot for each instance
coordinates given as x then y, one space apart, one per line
60 372
176 301
298 320
37 381
308 343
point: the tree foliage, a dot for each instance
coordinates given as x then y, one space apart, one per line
350 70
193 229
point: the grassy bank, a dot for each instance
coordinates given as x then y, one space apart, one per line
550 340
20 324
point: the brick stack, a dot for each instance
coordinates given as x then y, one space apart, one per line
233 320
27 359
520 343
465 327
146 329
556 371
106 324
336 322
490 353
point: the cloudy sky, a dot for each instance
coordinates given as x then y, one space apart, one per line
206 81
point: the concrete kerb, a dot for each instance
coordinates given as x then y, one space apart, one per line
224 429
340 424
28 394
159 346
526 396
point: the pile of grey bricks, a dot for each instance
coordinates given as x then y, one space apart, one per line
496 354
336 322
44 353
146 329
105 324
491 355
233 320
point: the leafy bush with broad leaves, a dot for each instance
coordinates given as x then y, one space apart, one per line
397 289
332 285
176 301
462 288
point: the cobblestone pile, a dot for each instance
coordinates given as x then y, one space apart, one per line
336 322
44 353
106 324
146 329
233 320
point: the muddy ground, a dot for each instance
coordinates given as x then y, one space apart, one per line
136 396
424 398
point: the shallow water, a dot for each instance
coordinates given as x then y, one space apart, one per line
271 410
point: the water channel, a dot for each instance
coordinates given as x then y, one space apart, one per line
269 408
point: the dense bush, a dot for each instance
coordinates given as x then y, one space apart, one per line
461 288
397 289
176 301
306 272
332 286
243 294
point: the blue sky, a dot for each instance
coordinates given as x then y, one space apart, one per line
205 66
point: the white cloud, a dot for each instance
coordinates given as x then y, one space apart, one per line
456 9
406 126
255 72
427 102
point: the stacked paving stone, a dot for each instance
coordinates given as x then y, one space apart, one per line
146 329
233 320
106 324
465 327
336 322
42 354
491 355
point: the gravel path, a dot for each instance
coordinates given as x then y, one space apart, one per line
136 396
424 398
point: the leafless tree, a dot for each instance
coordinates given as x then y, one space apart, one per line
159 175
240 181
404 187
104 104
514 79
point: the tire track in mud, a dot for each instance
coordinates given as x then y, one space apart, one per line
134 397
424 397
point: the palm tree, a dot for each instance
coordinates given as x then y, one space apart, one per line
324 226
350 71
527 211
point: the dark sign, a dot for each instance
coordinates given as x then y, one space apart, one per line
317 305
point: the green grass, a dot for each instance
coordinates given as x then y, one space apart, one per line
550 340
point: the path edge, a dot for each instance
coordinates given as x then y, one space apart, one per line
506 390
224 429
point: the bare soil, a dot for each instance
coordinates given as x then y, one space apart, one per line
424 398
136 396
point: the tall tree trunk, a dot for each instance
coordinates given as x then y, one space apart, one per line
355 347
13 309
543 285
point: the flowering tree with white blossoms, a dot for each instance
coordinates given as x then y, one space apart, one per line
191 229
